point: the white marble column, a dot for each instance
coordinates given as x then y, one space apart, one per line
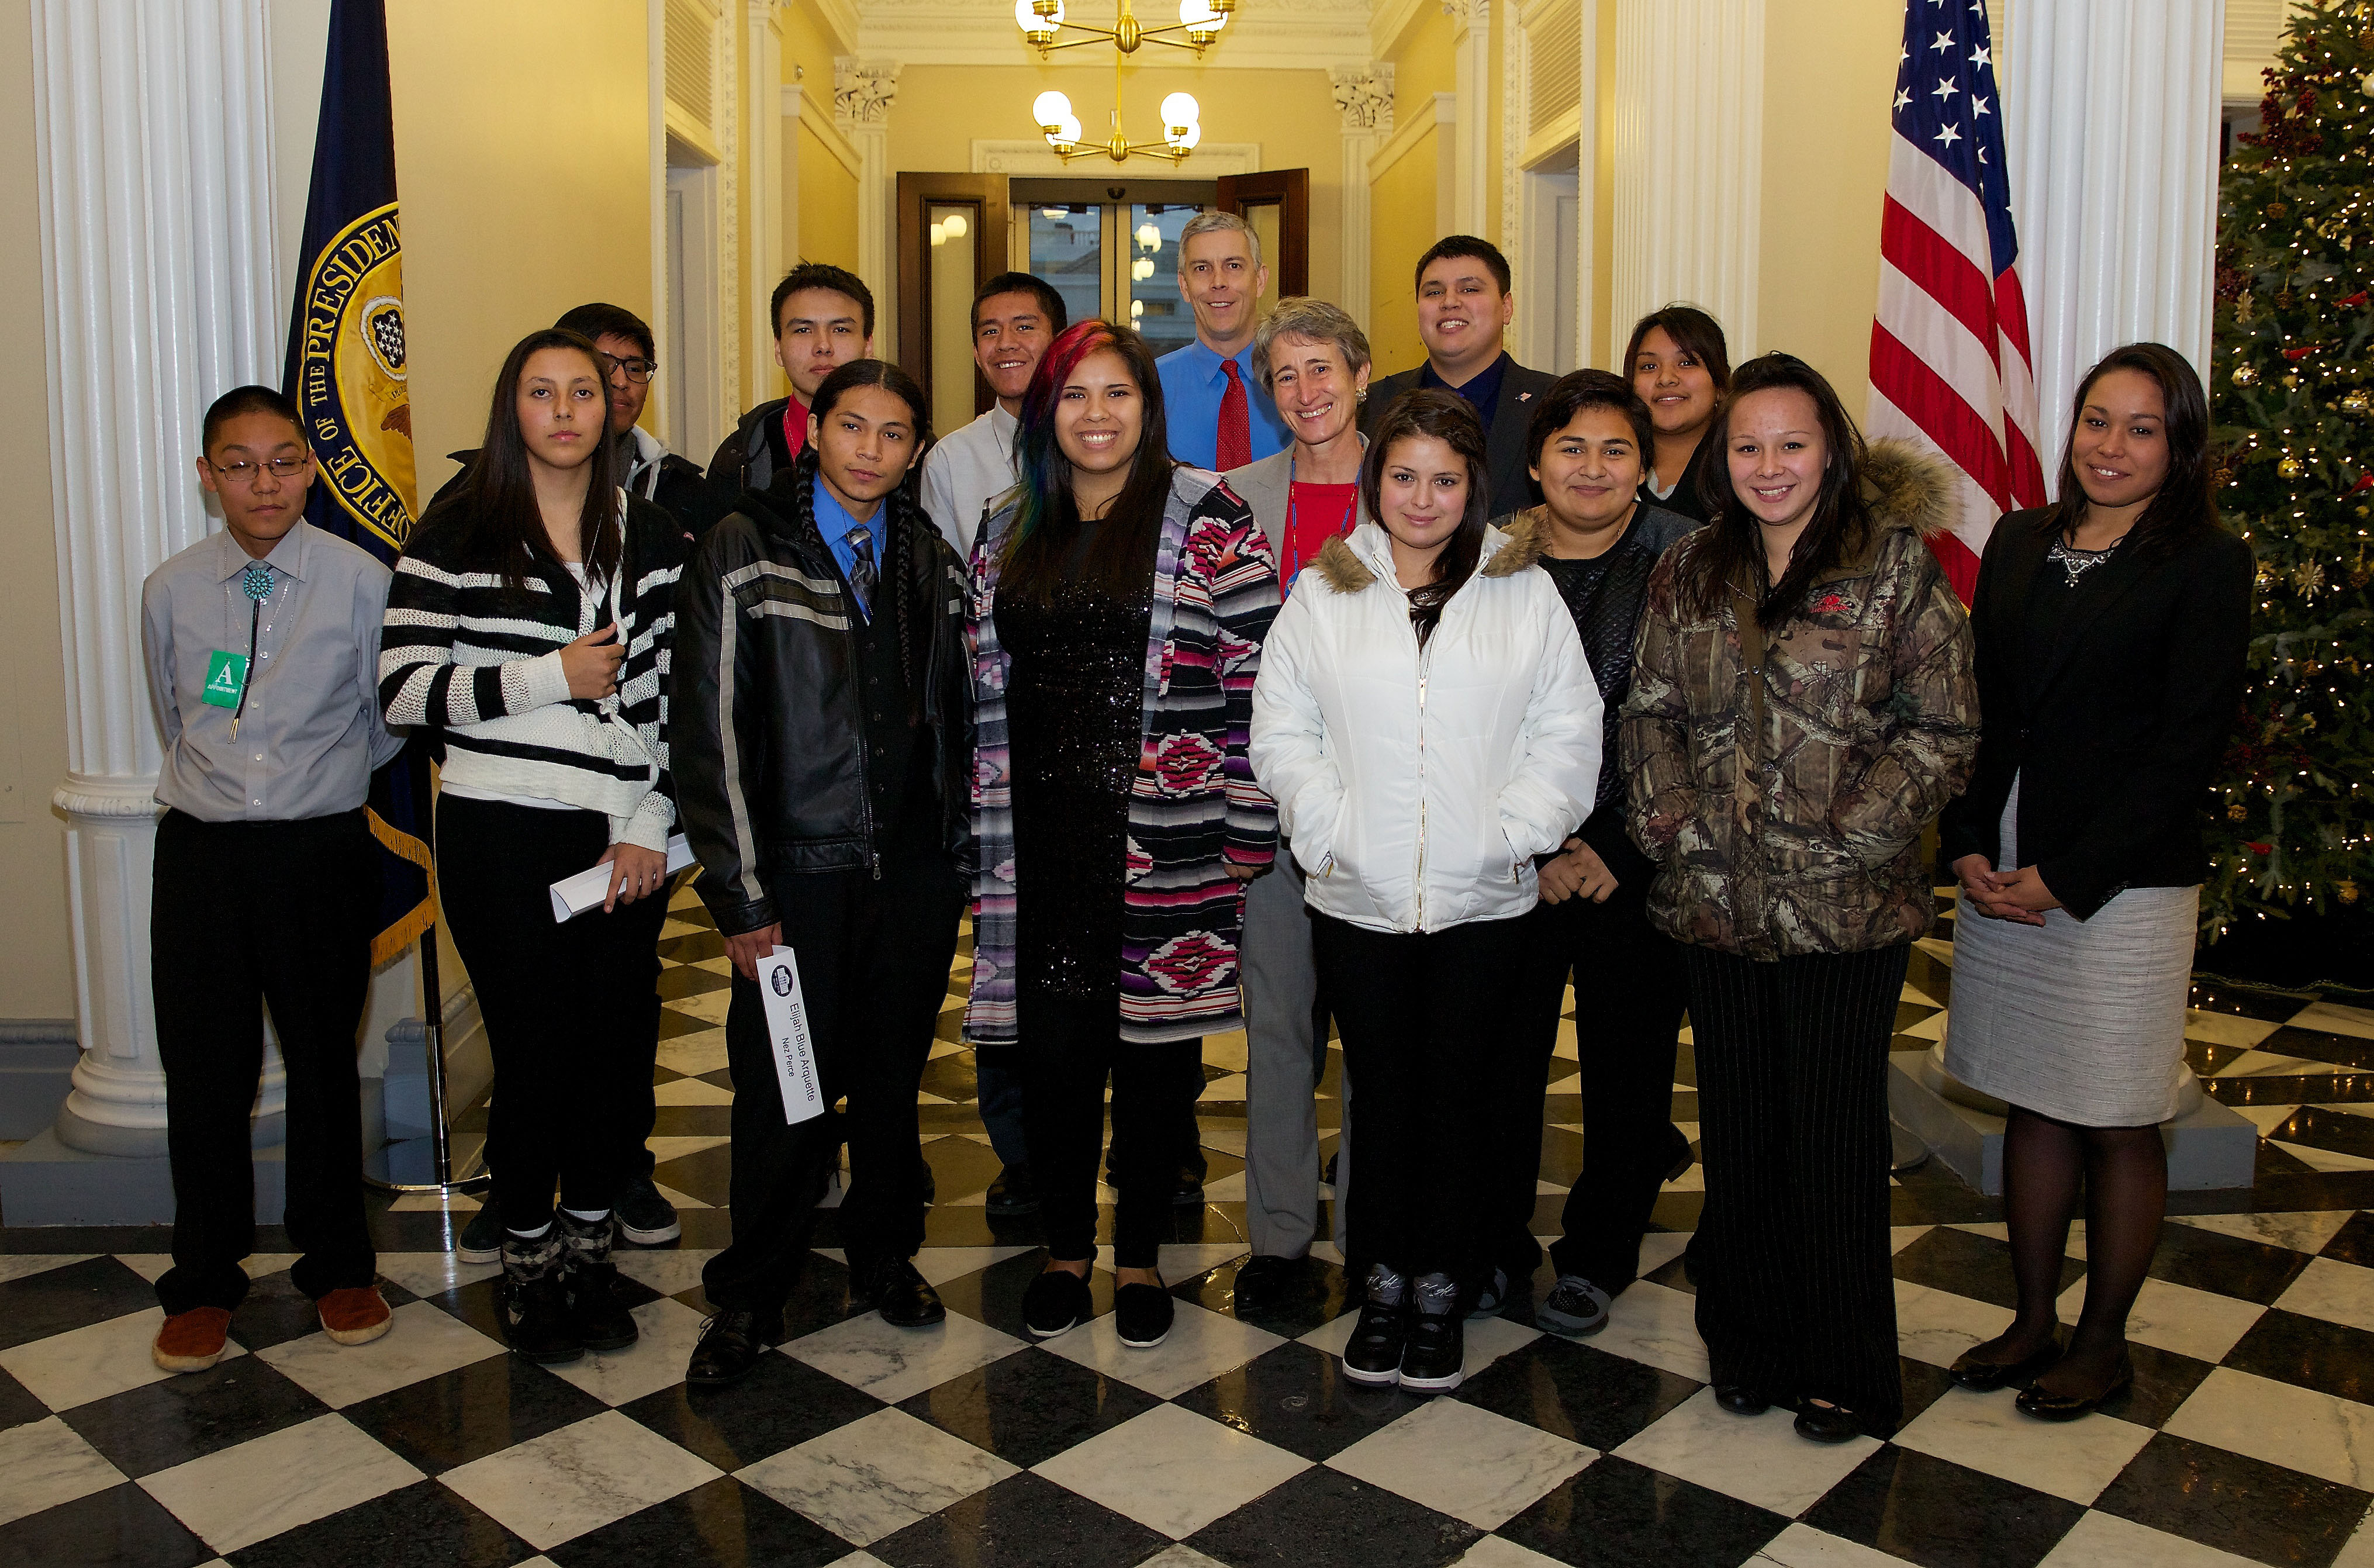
862 91
1364 96
762 174
162 289
2110 111
1470 43
1689 161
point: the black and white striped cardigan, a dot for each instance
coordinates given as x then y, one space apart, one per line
482 666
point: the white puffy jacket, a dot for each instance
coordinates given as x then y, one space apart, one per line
1417 785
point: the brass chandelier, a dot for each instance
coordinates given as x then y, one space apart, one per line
1200 24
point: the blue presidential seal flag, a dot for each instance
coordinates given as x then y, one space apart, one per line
350 374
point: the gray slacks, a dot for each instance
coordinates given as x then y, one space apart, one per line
1282 1059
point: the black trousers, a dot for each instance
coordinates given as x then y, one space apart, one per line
874 960
1071 1046
1796 1297
570 1009
1629 1000
243 916
1424 1020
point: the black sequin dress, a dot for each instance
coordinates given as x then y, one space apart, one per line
1075 703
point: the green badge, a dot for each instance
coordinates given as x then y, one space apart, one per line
226 679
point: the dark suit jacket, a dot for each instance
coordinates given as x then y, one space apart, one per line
1504 444
2115 730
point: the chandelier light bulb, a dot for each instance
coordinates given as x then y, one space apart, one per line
1184 141
1202 18
1148 237
1051 107
1180 110
1141 269
1038 18
1068 133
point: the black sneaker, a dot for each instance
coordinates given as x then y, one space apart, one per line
1013 1194
1056 1303
645 1217
1491 1295
1142 1315
482 1238
1436 1357
1373 1353
1576 1307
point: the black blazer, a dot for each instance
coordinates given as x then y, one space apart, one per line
1684 500
2117 729
1505 459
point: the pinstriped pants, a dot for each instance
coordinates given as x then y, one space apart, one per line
1797 1298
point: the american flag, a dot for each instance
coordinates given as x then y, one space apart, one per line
1949 359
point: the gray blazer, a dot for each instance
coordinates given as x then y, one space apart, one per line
1263 485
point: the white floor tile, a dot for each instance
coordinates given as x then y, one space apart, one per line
1659 1248
1986 1432
1185 1260
1653 1324
668 1269
1172 1470
891 1364
433 1273
73 1368
1230 1087
875 1476
19 1265
2323 1159
2358 1552
1180 1555
1202 1346
422 1341
709 1007
2302 1232
666 1149
46 1462
236 1496
2200 1324
691 1092
1757 1460
654 1361
1937 1325
555 1487
693 1054
2105 1540
940 1264
2227 1029
1494 1552
2332 1018
2298 1427
1503 1467
150 1265
1801 1546
2337 1291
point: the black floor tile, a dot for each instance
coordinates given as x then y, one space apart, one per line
472 1411
1935 1196
2163 1381
1297 1398
2340 1132
1942 1514
707 1174
1967 1265
693 1121
1923 1385
2354 1243
121 1528
1024 1521
2247 1001
993 1295
2311 1352
71 1296
678 981
58 1240
1576 1391
2234 1503
692 948
782 1403
1318 1294
674 1025
477 1303
2318 1045
951 1078
275 1311
722 1523
1615 1510
420 1525
1322 1518
1561 1156
2209 1260
960 1167
1028 1407
146 1429
18 1403
693 914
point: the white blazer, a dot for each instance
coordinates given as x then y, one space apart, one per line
1417 785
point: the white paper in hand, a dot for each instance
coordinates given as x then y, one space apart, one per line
787 1027
573 896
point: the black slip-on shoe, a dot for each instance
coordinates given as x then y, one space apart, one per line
1056 1303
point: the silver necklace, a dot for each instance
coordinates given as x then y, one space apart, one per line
2077 562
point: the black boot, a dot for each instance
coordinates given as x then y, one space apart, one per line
536 1300
602 1320
1373 1353
1437 1355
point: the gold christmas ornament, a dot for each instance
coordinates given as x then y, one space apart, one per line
2239 811
2290 469
2291 378
2309 577
2245 375
2266 577
2284 299
2347 889
2353 402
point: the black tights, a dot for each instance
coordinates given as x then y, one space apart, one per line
2123 1172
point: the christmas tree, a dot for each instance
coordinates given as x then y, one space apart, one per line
2293 811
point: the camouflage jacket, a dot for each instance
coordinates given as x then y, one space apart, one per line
1781 779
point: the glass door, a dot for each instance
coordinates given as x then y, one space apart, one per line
1118 259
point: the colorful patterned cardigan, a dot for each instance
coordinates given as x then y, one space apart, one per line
1194 808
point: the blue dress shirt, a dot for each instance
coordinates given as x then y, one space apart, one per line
836 524
1482 390
1192 384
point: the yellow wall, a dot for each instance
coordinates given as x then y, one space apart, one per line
522 153
1829 72
1401 226
1425 64
36 961
1603 214
828 204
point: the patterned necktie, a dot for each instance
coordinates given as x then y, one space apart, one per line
1235 447
862 576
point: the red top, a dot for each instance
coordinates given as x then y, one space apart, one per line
795 425
1314 515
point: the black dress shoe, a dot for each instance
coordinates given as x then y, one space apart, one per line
1740 1399
1013 1194
1188 1191
1822 1421
903 1297
730 1345
1262 1282
2048 1407
1985 1377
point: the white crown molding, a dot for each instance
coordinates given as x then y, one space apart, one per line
1038 158
800 105
1391 20
1261 35
841 18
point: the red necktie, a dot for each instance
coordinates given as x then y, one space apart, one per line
1235 447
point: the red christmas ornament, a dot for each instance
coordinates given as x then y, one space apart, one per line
2365 482
2298 354
2355 300
2260 848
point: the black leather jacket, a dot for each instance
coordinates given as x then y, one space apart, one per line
766 737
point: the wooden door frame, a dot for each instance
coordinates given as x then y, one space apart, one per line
918 193
1290 191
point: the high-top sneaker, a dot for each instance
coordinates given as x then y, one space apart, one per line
1373 1353
536 1300
1436 1356
602 1321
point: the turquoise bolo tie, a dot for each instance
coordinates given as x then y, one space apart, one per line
256 584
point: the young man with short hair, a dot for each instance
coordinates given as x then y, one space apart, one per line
1213 403
823 318
1015 316
1463 306
262 644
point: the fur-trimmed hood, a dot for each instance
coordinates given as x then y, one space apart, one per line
1350 563
1908 486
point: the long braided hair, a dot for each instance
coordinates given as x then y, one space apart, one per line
905 506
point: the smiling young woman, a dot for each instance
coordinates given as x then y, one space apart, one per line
1681 367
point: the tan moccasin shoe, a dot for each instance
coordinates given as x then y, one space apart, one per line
355 1316
192 1340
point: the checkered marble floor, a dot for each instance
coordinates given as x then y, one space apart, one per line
2249 1436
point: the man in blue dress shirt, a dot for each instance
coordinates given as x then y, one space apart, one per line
1212 398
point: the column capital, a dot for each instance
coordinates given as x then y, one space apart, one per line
1364 96
863 90
1467 15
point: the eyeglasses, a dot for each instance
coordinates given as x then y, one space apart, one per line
636 370
245 473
